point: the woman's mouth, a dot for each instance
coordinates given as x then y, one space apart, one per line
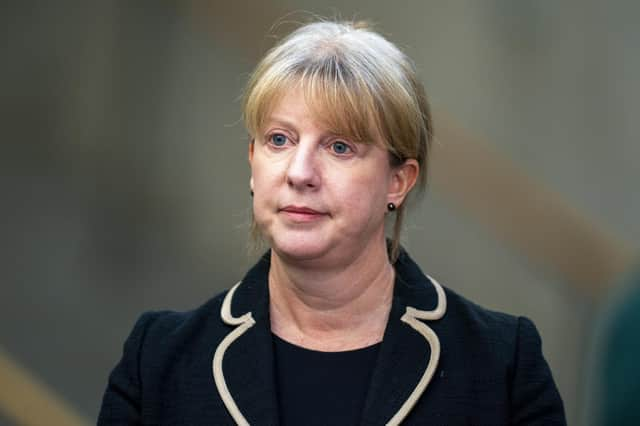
301 213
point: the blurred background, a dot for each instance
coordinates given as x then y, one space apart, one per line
125 181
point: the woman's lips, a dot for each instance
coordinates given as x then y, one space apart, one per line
301 214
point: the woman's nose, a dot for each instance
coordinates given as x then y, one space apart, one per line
302 172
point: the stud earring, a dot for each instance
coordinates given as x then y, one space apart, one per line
391 207
251 193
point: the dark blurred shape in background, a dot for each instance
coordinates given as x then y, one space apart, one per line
615 389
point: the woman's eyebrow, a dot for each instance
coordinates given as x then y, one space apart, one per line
281 121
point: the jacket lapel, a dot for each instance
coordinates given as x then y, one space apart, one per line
407 360
410 350
247 361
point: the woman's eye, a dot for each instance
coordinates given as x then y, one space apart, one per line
278 139
340 147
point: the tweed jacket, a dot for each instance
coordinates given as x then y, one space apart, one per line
443 361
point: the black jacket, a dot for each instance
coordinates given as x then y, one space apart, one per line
443 361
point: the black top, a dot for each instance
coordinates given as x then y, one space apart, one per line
321 388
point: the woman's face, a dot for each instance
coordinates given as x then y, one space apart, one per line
317 195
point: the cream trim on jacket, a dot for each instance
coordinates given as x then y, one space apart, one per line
413 317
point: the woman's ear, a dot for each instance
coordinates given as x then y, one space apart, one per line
403 178
251 145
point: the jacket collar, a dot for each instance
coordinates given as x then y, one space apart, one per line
410 349
243 362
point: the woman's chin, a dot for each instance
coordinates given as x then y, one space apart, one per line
300 249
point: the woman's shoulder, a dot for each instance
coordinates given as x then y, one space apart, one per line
477 316
508 348
168 328
162 344
420 290
496 338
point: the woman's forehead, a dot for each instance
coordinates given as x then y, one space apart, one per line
332 111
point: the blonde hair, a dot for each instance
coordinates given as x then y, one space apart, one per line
357 83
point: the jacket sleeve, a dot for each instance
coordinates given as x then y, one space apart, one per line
534 397
121 401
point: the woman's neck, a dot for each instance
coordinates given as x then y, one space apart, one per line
331 309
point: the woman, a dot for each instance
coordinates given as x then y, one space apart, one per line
334 325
